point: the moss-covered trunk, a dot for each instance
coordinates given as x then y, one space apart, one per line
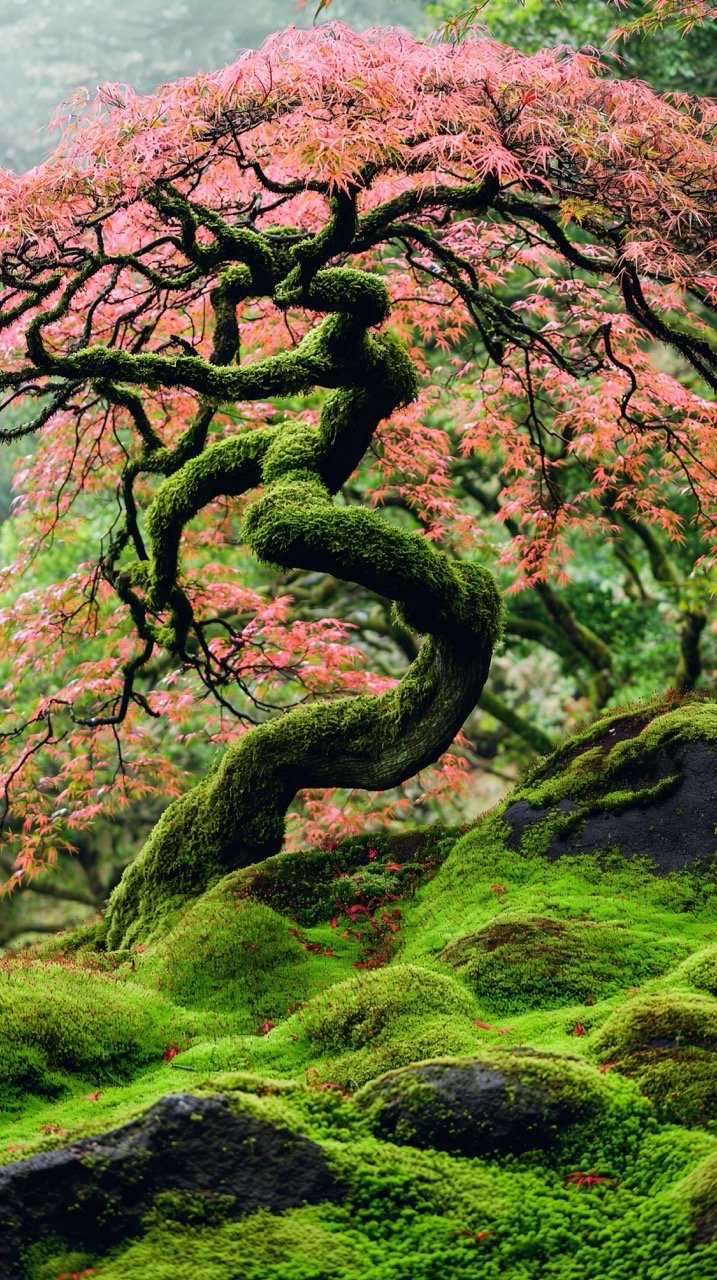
236 816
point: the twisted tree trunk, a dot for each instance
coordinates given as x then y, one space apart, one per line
236 815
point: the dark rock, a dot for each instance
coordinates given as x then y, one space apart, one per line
96 1192
475 1108
675 831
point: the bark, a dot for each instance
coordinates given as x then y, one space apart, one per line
236 815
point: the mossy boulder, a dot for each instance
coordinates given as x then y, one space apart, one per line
700 970
510 1102
642 781
521 961
99 1190
668 1044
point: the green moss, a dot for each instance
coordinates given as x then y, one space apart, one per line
62 1020
529 962
659 1021
49 1260
357 1029
668 1044
698 1192
291 1246
371 1006
308 885
621 755
701 970
241 961
430 1216
627 1076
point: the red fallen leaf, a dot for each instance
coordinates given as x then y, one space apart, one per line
502 1031
578 1029
394 866
92 1097
371 853
334 922
141 947
328 952
475 1235
579 1179
498 888
170 1052
484 1026
267 1026
606 1066
294 1038
15 1146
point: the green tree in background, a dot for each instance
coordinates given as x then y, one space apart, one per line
670 60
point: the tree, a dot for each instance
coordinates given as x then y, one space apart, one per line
186 261
681 59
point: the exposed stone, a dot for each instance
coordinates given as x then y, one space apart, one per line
96 1192
675 831
478 1108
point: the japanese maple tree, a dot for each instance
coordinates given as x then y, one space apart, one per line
317 216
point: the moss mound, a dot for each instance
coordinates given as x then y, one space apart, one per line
354 1030
501 1043
701 970
698 1192
533 961
507 1102
59 1020
374 1005
668 1044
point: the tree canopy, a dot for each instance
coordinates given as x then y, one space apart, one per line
320 215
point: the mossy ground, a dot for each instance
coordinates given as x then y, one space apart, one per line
290 986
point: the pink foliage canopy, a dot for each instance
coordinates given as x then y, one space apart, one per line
563 221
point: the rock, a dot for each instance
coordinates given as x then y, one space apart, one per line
668 1045
639 785
472 1107
95 1193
